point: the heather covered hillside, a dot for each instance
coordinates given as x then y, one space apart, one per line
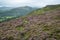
41 24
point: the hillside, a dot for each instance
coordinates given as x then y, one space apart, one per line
5 8
33 27
8 13
44 9
19 11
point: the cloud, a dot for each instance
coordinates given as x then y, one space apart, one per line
36 3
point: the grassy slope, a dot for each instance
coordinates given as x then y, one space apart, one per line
44 9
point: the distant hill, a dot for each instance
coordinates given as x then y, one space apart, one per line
7 12
5 8
17 11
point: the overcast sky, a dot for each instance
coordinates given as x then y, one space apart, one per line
34 3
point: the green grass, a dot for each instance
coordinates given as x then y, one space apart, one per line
20 28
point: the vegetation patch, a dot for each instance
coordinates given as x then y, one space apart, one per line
27 35
20 28
57 17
